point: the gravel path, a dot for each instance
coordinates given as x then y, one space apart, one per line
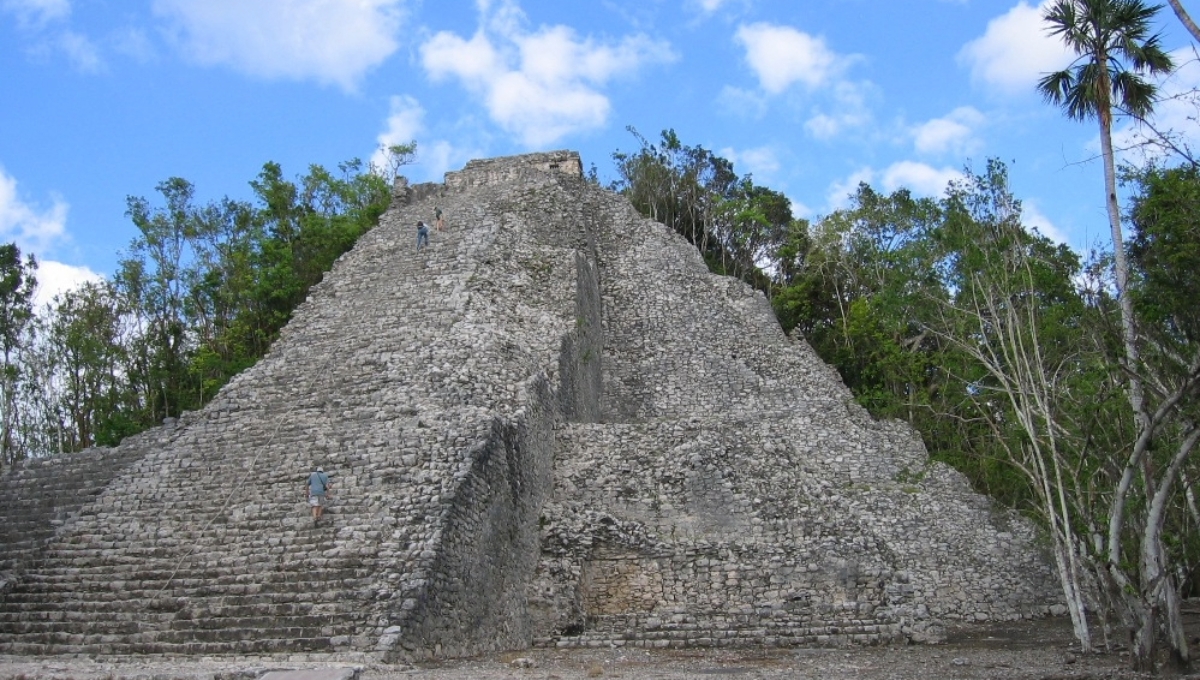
1038 650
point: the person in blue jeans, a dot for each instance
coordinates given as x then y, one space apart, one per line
318 486
422 235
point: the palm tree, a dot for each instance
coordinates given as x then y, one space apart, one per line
1107 36
1115 53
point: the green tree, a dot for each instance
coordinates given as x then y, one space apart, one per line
860 298
395 157
88 346
1012 310
739 228
17 284
153 278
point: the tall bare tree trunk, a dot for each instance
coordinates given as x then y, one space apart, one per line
1121 262
1176 636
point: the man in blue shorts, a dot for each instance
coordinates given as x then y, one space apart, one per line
318 485
422 235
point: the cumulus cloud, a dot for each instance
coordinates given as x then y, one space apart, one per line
848 110
760 161
781 56
1034 218
406 120
330 41
56 278
708 6
801 210
919 178
406 123
36 13
133 42
37 19
840 191
1014 51
540 85
80 51
34 229
741 102
440 156
953 133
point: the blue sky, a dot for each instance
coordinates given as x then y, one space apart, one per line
102 99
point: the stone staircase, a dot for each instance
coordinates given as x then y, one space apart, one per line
206 546
46 494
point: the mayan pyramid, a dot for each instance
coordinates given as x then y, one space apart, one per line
553 426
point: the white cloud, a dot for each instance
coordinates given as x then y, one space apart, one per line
33 229
1014 52
824 126
36 16
405 121
781 56
36 13
849 110
540 86
710 5
55 278
840 192
800 210
742 102
919 178
133 42
1032 217
80 50
330 41
440 156
953 133
760 161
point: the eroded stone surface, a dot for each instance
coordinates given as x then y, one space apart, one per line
552 427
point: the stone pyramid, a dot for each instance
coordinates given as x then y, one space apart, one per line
553 426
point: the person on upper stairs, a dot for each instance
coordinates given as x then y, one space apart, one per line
437 219
318 486
422 235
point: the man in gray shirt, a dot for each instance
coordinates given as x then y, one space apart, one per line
318 485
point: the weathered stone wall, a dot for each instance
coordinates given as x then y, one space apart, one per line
495 171
581 356
552 426
46 494
747 497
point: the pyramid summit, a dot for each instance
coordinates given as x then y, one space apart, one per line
552 426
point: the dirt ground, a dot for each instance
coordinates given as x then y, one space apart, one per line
1043 650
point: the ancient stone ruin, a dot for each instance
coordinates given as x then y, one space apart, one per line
553 426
